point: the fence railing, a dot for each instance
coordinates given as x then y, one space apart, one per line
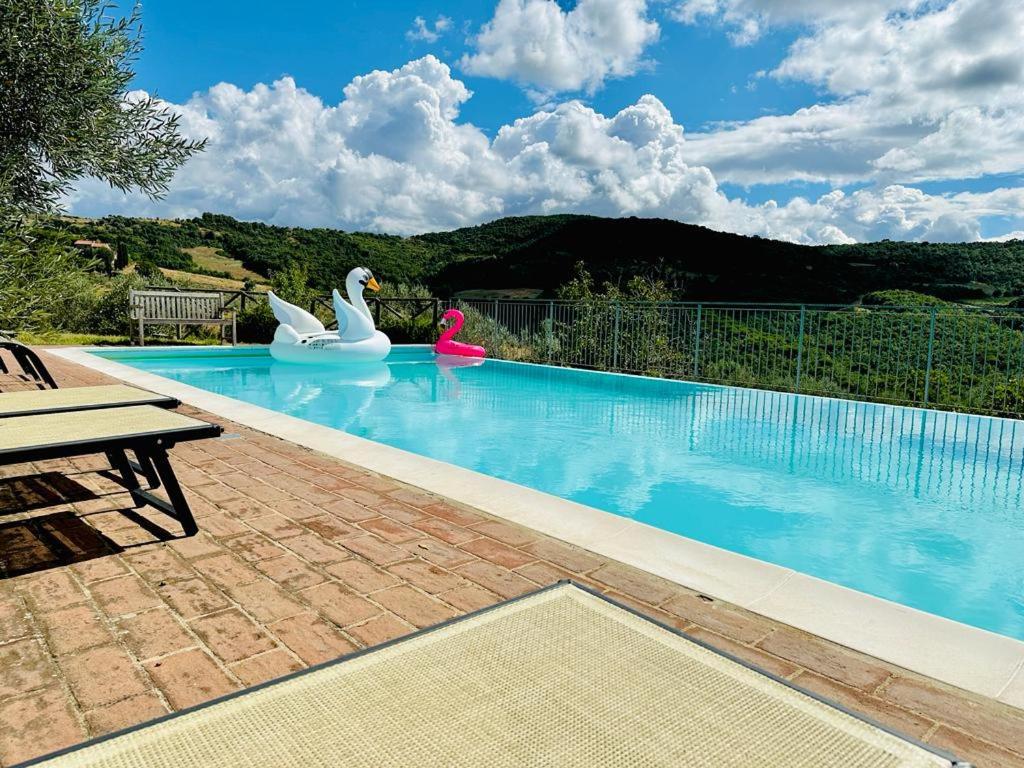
950 357
955 358
384 309
237 300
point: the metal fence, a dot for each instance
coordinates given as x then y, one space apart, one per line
949 357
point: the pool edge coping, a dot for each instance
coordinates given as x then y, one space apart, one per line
968 657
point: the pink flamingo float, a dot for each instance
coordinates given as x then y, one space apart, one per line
446 346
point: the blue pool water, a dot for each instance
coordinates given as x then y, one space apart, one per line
920 507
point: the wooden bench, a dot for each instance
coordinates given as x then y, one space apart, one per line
181 308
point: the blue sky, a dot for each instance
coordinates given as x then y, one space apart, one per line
807 121
694 70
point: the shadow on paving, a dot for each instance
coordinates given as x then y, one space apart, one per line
37 542
27 492
49 541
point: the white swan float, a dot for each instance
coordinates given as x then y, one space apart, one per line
301 338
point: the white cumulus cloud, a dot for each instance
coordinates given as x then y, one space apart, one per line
917 91
747 20
538 44
422 30
394 156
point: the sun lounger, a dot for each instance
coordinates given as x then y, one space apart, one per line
145 430
560 677
33 401
32 366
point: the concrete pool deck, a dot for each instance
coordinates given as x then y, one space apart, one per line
304 556
979 661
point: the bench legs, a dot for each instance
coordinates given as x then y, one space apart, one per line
154 465
222 325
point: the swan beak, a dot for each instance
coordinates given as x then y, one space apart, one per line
373 285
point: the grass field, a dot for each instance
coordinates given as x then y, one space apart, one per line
213 259
61 338
499 293
206 281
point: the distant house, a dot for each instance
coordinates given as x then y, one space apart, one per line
92 245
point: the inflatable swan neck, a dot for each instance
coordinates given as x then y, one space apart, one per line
354 288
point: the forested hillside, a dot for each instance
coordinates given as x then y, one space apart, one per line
540 252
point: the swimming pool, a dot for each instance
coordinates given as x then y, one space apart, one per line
920 507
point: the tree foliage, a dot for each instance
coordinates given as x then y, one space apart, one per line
65 110
38 281
684 261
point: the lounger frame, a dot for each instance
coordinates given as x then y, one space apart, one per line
152 464
356 654
31 364
160 401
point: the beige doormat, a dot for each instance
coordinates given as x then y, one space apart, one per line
561 677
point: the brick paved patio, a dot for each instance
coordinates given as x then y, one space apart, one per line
302 558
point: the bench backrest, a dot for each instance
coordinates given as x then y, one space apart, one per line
173 305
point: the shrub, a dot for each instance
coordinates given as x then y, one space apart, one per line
292 284
109 314
85 291
900 298
400 321
38 280
148 270
256 323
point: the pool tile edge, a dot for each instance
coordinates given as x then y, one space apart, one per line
921 642
1013 691
955 653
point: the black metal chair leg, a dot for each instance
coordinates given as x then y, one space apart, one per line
179 505
30 362
119 461
153 459
143 466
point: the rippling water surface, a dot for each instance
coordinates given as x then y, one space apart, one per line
920 507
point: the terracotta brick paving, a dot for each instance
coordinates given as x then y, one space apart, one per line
302 558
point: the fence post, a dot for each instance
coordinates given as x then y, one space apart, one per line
551 328
615 336
377 311
800 347
696 343
437 318
495 330
931 349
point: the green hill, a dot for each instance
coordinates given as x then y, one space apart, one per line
539 252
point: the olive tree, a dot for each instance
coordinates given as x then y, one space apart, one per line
66 111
